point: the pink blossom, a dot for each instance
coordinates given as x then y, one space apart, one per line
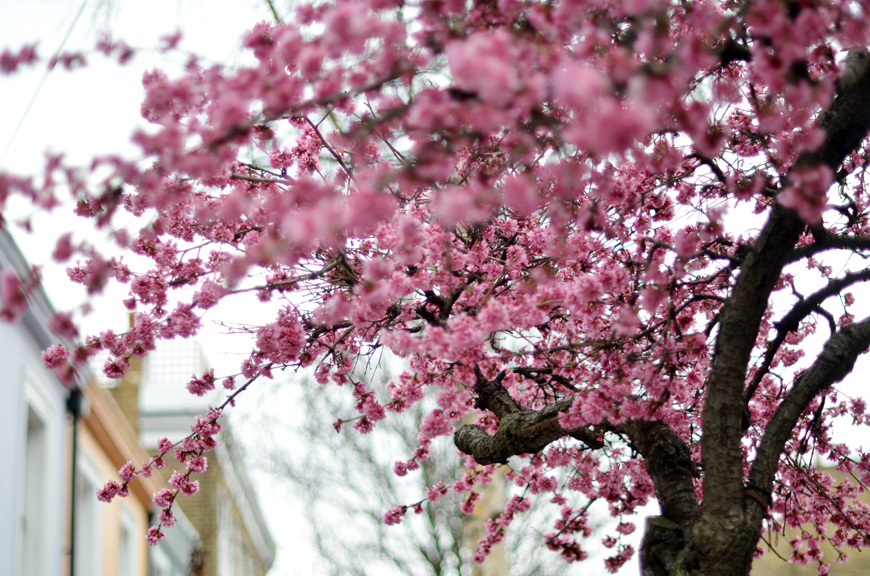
283 340
364 425
394 515
435 424
578 86
63 250
807 192
55 356
127 472
109 491
62 325
13 294
164 445
686 243
116 367
206 444
435 493
163 498
170 41
200 386
190 488
209 295
197 465
520 194
468 505
625 527
178 480
10 61
593 409
627 322
484 64
348 26
456 205
166 518
154 536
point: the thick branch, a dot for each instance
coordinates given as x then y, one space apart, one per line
833 364
829 241
667 457
523 432
670 466
492 396
668 461
846 123
739 324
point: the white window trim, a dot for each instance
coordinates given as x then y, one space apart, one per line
89 471
128 525
160 562
36 398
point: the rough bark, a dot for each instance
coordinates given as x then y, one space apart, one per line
520 431
667 459
725 535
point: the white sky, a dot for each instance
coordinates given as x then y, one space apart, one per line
94 110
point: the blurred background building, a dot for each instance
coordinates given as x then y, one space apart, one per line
235 538
61 441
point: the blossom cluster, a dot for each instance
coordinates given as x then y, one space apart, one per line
191 451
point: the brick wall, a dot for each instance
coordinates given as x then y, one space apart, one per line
126 393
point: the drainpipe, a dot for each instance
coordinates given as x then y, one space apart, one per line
74 407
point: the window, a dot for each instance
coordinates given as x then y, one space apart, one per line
32 512
160 565
40 478
87 522
129 549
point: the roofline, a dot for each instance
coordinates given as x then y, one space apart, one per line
39 310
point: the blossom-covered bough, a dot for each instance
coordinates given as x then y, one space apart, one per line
526 200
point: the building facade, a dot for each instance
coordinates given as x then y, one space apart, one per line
60 442
33 439
114 534
225 513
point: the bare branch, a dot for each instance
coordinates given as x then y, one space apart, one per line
492 396
829 241
791 321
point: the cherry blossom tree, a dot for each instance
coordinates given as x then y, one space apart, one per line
528 201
